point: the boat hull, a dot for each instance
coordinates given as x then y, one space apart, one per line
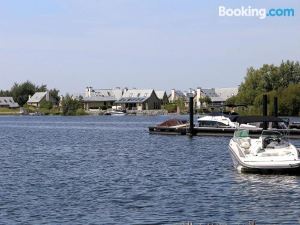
292 167
118 114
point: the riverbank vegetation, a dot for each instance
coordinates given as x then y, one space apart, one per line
6 111
176 107
71 107
282 81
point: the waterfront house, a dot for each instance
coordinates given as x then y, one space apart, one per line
162 95
139 99
39 97
8 102
219 96
177 95
226 93
101 98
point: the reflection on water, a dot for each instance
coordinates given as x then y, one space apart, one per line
109 170
280 181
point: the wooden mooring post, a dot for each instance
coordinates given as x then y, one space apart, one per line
265 110
191 108
275 105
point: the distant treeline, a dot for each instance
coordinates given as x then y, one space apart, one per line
21 92
282 81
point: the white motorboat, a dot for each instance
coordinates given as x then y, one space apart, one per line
113 112
117 113
220 120
271 152
216 120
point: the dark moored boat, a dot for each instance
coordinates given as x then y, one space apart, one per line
173 123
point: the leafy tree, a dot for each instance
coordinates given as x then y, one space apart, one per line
5 93
170 107
289 101
180 104
46 105
201 100
21 92
273 80
70 106
231 100
54 94
207 100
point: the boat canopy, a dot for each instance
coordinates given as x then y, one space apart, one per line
216 114
256 119
235 105
271 133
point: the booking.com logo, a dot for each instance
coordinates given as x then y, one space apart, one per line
260 13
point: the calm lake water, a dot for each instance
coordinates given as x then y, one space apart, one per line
109 170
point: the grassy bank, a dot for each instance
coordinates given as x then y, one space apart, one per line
52 112
5 111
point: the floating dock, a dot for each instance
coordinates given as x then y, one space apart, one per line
213 131
179 128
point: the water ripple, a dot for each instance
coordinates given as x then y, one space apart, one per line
105 170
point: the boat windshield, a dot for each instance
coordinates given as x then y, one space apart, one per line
241 133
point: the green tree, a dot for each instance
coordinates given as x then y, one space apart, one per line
54 94
289 101
272 80
231 101
5 93
201 100
207 100
46 105
171 107
70 106
180 104
21 92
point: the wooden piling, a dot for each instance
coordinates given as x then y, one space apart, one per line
191 107
265 110
275 106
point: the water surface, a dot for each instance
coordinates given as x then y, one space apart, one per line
109 170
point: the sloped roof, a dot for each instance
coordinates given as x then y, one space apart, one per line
109 93
179 93
99 99
137 93
220 94
218 99
135 96
210 92
226 92
131 100
104 95
8 101
37 97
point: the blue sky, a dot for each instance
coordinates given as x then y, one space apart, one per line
161 44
